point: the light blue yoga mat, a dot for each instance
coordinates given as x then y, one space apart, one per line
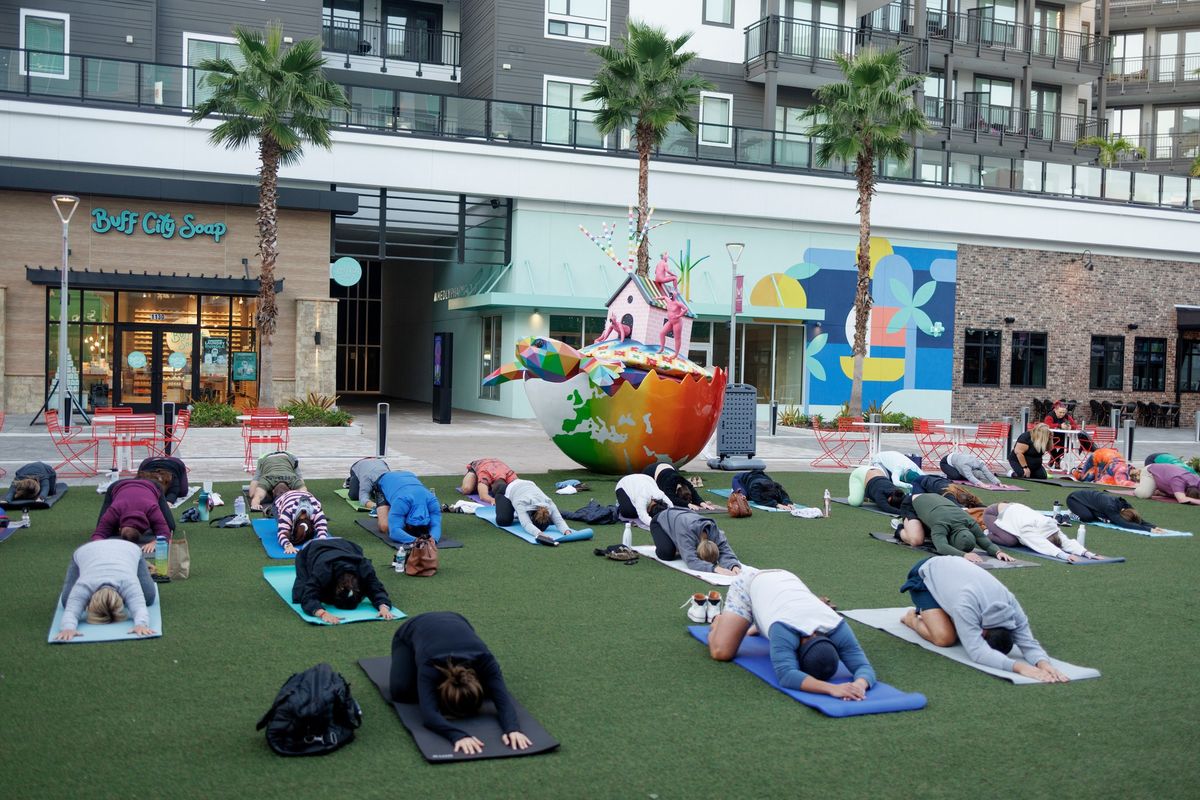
113 632
1165 534
281 579
1084 562
754 656
488 514
726 492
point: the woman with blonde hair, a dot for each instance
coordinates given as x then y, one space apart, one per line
683 533
440 663
1028 452
108 579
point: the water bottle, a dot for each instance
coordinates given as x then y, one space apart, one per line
1057 508
627 536
1081 535
161 555
399 559
25 520
828 501
239 506
202 504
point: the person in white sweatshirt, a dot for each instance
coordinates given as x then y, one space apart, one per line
108 579
1011 524
636 494
896 465
522 500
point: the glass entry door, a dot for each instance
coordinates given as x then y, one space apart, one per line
156 365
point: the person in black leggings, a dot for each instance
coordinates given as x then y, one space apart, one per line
1093 506
1028 451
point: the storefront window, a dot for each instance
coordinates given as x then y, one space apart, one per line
214 311
95 369
243 311
158 308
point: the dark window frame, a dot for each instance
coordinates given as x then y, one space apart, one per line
1028 349
1142 364
976 355
1186 350
704 20
1101 380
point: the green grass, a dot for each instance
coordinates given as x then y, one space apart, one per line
598 652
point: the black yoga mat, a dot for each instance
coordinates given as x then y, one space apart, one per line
371 526
866 506
9 504
485 727
988 562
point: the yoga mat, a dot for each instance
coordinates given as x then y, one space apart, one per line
1165 534
486 726
488 514
267 531
726 492
1122 490
113 632
1004 487
281 579
867 506
1025 551
988 562
754 656
888 621
647 550
371 526
345 495
180 501
473 497
7 531
60 489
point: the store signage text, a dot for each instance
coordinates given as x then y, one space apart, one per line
155 224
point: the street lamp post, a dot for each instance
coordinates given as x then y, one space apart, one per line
735 253
64 206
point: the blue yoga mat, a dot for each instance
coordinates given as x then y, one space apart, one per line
488 514
267 531
1165 534
281 579
113 632
726 492
7 532
754 656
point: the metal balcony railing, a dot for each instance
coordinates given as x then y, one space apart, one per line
1029 125
1130 8
981 31
169 88
391 42
798 39
1166 73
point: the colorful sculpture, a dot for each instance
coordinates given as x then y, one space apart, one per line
676 310
664 277
614 326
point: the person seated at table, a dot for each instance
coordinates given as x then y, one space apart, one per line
336 572
1107 466
481 474
952 531
867 482
1013 524
680 489
957 601
1093 506
896 465
682 533
364 477
441 664
36 481
109 580
968 467
300 519
523 501
1167 458
133 505
636 496
407 509
273 469
1060 419
174 468
761 488
1026 456
806 635
1170 480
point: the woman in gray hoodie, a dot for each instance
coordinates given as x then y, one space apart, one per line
682 533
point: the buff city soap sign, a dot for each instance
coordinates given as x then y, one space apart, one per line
153 223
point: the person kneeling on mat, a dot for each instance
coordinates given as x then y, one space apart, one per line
522 500
936 484
959 601
35 481
482 474
1171 481
1167 458
675 486
871 483
761 488
407 509
175 485
635 495
300 519
362 485
133 512
895 465
1012 524
968 467
807 636
440 663
951 530
335 571
273 469
682 533
1027 453
1093 506
109 580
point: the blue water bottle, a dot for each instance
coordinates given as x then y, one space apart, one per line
202 504
161 556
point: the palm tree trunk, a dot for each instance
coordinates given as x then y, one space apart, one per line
864 174
268 242
643 209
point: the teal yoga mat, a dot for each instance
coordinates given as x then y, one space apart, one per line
113 632
726 492
488 514
281 579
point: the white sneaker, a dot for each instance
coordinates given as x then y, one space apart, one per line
697 608
896 522
713 605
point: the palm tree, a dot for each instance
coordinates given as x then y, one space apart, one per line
642 83
1111 148
861 120
1194 170
276 100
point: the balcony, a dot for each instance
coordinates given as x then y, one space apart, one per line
1052 52
374 45
805 52
1125 14
997 127
1162 78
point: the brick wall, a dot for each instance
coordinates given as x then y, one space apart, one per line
1053 292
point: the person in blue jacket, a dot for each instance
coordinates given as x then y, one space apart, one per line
407 509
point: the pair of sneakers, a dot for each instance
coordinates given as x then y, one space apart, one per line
703 608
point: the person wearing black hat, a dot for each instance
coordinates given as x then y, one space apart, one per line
807 636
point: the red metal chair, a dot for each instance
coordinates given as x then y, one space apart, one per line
991 444
72 445
932 441
838 447
264 429
3 471
174 437
1101 437
137 430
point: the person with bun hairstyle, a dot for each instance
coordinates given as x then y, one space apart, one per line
440 663
34 481
683 533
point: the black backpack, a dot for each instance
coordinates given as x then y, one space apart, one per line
313 714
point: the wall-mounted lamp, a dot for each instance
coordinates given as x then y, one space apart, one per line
1133 326
317 338
1009 320
537 311
1087 260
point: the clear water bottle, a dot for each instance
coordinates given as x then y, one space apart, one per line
161 555
828 502
25 520
1081 535
239 506
1057 508
399 559
627 536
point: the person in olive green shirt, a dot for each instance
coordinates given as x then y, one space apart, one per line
952 531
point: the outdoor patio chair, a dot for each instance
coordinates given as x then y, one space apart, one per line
271 430
932 440
839 448
73 445
137 431
991 444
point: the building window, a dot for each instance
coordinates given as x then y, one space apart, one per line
718 12
1188 379
576 330
341 25
577 19
1028 359
569 119
1107 362
1127 53
490 357
46 38
981 358
1149 365
716 117
198 48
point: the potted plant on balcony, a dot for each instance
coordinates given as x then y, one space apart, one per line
1113 149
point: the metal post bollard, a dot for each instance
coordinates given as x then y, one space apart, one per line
1129 428
774 416
1198 426
168 412
1024 420
382 412
1009 422
1114 418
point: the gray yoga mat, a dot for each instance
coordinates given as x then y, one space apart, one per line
988 561
7 504
371 526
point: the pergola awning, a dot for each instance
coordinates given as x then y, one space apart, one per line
148 281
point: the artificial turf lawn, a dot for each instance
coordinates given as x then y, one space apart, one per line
599 653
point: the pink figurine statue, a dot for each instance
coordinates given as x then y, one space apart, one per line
614 326
674 323
664 277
